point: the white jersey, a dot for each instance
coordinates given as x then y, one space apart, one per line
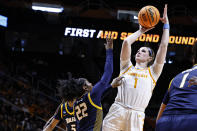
137 87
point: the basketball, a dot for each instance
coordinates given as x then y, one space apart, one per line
148 16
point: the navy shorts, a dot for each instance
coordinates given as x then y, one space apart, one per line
187 122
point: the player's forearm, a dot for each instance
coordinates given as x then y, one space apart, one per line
101 86
108 70
162 108
126 46
161 53
49 128
51 125
132 38
48 122
165 35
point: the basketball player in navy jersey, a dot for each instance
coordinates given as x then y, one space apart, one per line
64 112
88 109
178 111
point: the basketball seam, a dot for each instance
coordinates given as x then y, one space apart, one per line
142 19
148 17
155 13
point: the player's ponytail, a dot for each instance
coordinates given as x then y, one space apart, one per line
152 55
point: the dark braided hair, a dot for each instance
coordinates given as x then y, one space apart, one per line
71 89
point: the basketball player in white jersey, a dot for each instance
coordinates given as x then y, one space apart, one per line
127 112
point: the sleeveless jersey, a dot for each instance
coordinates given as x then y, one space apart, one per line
88 109
180 98
66 114
89 116
136 89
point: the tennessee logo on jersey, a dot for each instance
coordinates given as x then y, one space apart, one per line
137 87
138 75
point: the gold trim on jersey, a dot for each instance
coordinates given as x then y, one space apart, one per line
98 122
140 69
170 84
70 113
98 107
125 71
151 76
61 111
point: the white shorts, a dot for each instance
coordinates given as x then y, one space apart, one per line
120 118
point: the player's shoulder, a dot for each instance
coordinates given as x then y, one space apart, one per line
194 68
125 68
82 99
195 65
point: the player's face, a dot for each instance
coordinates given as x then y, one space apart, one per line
142 55
88 86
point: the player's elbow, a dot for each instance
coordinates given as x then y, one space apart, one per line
125 42
106 80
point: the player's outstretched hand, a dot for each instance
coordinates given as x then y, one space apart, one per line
164 19
109 43
193 81
116 82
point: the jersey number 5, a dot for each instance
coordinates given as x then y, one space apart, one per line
73 127
81 111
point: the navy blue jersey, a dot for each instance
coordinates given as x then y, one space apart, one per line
88 109
180 98
66 114
186 122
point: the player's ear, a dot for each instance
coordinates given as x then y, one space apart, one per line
85 88
150 59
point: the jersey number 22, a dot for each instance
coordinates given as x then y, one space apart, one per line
81 111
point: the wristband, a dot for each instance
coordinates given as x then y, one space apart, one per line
166 26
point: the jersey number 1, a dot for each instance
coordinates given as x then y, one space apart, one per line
183 80
135 82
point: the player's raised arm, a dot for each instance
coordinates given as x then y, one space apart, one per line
161 53
108 69
125 54
103 84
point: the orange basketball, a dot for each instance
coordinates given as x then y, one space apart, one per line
148 16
